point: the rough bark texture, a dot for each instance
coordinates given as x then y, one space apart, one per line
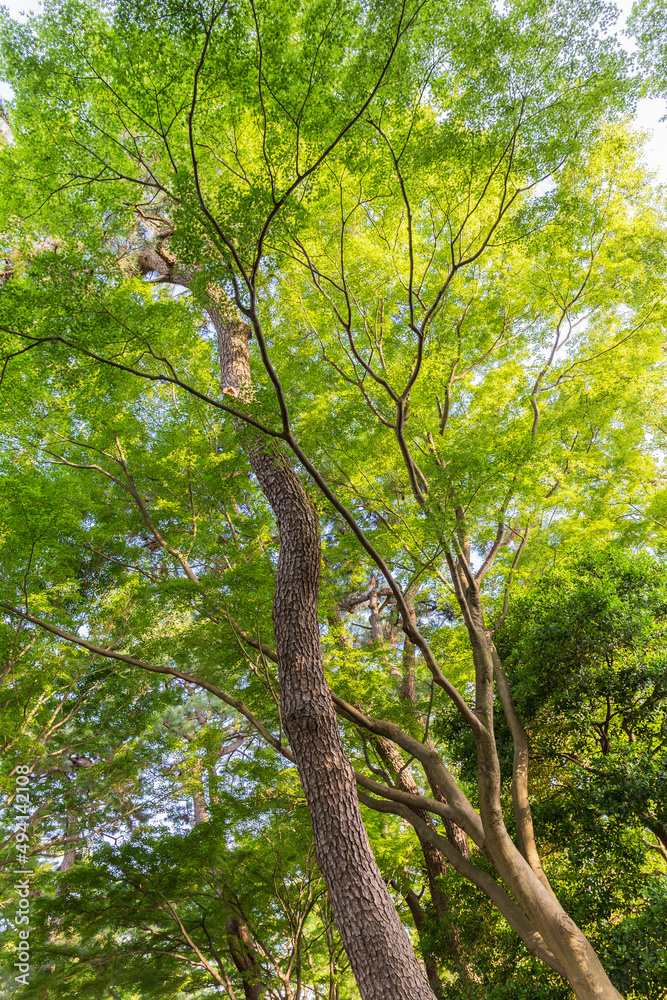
381 957
435 862
69 856
380 953
455 835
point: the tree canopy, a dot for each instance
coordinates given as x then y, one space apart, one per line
332 420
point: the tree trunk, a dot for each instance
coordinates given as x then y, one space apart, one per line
199 803
245 959
523 875
436 866
374 616
381 957
415 908
69 857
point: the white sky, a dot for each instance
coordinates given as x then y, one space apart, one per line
649 111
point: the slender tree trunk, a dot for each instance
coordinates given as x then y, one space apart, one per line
334 990
245 959
523 875
436 867
381 956
374 616
69 857
415 908
198 794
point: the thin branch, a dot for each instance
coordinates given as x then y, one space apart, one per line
153 668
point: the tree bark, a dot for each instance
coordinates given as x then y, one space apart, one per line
69 857
381 956
374 616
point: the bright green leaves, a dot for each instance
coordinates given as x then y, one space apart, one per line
434 218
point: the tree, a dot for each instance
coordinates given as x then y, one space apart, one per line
178 914
601 627
584 650
427 226
589 653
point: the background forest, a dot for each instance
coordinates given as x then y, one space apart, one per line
408 257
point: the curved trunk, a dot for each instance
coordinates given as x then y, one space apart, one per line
381 956
380 953
527 882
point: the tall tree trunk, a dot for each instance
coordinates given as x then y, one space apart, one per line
381 956
69 857
521 872
374 616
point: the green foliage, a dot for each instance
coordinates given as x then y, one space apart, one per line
585 650
435 219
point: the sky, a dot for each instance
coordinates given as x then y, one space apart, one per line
648 118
